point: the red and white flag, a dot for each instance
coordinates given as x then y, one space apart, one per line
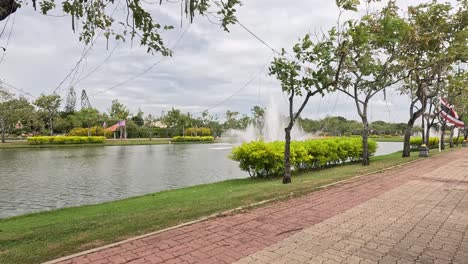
448 113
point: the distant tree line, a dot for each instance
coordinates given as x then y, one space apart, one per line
340 126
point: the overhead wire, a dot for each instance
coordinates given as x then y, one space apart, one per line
91 72
18 89
147 69
85 52
8 39
242 88
4 26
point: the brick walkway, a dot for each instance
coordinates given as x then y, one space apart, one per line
414 214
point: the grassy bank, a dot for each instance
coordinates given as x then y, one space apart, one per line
388 139
109 142
43 236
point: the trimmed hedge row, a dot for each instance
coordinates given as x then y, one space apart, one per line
65 140
416 142
433 141
193 139
265 159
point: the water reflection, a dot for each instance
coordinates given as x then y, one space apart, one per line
43 179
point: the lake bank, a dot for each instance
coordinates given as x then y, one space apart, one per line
12 144
35 237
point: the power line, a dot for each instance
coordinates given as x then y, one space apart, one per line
91 72
18 89
147 69
258 38
4 26
85 52
242 88
8 39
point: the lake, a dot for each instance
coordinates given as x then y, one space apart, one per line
33 180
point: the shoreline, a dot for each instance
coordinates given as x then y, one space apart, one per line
109 142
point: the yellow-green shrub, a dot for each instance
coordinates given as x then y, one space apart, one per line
193 139
416 142
80 131
65 140
200 131
265 159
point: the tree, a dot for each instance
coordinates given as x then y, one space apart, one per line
70 103
175 118
231 120
118 111
49 105
435 41
89 117
85 100
138 118
371 65
258 114
13 110
148 123
455 93
315 70
96 18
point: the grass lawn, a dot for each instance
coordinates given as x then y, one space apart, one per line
388 139
44 236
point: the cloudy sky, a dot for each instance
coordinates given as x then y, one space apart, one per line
208 66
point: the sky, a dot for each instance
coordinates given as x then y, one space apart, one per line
209 68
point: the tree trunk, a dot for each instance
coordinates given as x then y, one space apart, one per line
442 136
406 140
287 156
365 143
89 131
3 132
458 136
451 136
428 135
424 137
51 126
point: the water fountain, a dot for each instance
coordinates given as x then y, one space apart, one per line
272 129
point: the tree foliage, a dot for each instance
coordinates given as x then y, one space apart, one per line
93 19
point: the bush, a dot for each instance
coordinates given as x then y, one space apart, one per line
458 140
416 142
193 139
201 131
83 132
266 159
65 140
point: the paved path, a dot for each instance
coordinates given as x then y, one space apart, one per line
414 214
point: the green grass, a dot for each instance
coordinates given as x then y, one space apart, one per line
44 236
388 139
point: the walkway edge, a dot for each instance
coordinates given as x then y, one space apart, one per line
224 213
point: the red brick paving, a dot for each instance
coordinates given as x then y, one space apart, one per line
228 239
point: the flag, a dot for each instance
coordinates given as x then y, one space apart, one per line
448 113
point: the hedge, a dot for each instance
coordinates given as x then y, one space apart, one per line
193 139
83 132
416 142
65 140
200 131
265 159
